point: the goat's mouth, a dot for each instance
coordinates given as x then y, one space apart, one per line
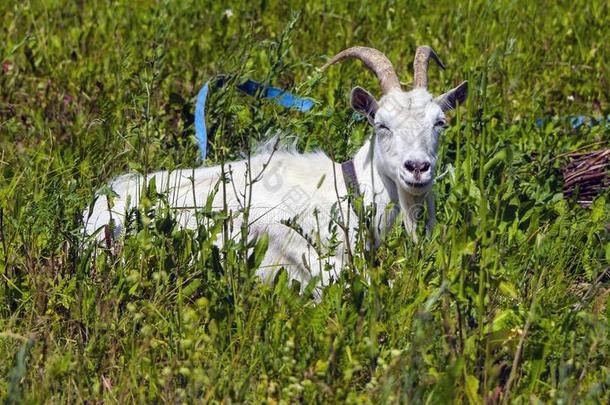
416 184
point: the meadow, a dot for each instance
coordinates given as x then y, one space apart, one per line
508 300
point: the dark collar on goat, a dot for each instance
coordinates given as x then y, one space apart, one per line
350 178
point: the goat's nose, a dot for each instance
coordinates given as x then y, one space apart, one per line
417 167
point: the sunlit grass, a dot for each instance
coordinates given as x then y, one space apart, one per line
507 301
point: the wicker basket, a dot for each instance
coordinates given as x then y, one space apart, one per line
586 176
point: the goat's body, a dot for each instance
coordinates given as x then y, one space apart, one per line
299 200
288 186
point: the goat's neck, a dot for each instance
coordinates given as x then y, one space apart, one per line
377 188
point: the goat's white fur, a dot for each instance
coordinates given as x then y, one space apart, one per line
293 186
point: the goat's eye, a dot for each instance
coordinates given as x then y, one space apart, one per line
382 127
440 124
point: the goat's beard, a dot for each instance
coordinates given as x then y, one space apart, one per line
412 208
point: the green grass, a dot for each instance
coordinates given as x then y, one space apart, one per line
507 301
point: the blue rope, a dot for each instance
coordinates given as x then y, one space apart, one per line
577 121
279 96
251 87
200 130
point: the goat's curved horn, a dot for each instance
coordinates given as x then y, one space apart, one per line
420 65
374 60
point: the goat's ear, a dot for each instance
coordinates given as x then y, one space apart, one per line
364 103
453 97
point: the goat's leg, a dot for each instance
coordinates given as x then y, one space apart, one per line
290 250
287 250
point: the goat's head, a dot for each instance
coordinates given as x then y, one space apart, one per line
407 123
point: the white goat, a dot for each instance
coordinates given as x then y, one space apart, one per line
394 170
